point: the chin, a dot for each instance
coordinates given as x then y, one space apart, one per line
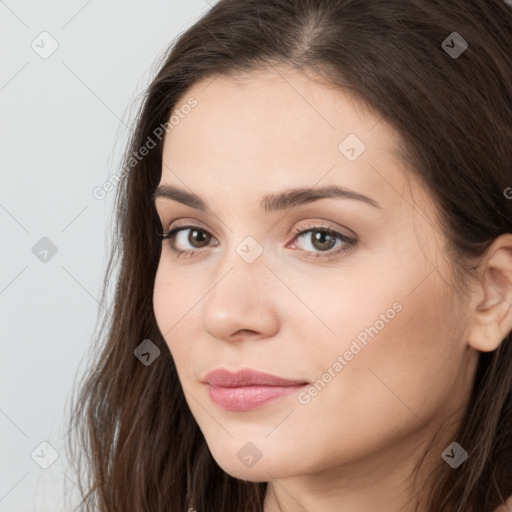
262 470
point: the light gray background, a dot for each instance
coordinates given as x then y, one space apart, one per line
62 134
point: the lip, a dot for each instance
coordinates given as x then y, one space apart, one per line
247 389
247 377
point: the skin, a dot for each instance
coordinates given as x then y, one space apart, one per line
353 446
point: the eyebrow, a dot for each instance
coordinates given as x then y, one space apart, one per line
291 198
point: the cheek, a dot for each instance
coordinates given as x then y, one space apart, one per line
395 354
394 312
178 299
163 305
400 352
176 309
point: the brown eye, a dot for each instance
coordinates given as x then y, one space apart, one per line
318 240
197 237
322 240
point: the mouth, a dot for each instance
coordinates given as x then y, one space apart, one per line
245 398
248 389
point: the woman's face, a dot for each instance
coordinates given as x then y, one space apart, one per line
373 326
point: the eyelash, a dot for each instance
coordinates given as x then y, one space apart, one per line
301 230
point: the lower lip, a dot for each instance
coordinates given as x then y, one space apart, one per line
249 397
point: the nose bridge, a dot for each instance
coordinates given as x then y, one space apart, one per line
240 297
243 271
245 253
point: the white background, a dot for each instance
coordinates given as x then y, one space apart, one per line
62 133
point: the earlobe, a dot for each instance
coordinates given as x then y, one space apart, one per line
491 316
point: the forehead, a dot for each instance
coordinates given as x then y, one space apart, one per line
271 129
282 108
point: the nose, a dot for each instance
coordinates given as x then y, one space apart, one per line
242 302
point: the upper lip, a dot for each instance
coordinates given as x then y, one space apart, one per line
247 377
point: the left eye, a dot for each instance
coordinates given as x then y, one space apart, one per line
322 240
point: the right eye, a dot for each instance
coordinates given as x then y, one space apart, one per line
177 236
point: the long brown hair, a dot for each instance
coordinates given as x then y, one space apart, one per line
143 449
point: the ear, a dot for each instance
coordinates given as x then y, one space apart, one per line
491 313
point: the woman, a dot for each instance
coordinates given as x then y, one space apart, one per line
319 190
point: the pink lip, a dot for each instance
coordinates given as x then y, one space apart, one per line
247 389
247 377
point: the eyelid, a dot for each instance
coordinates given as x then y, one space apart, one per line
325 224
187 223
311 224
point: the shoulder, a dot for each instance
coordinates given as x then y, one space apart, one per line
507 507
